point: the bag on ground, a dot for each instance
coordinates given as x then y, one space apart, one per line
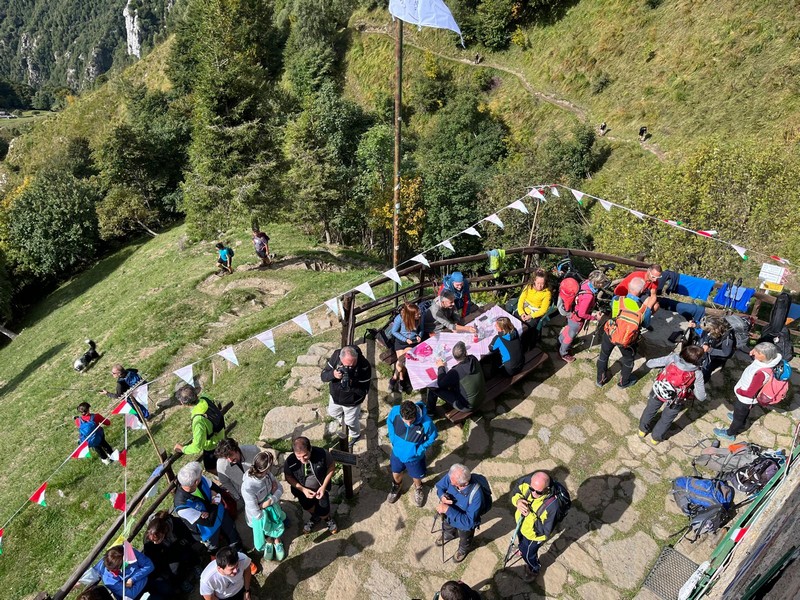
705 501
726 460
752 478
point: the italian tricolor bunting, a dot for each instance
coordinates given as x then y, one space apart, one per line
81 451
38 495
1 541
123 458
117 500
123 408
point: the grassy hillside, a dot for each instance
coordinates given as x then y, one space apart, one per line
157 306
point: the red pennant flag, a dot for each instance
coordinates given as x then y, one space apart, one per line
707 233
38 495
1 541
123 458
124 408
128 555
738 534
783 261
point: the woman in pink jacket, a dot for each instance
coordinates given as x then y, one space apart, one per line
581 312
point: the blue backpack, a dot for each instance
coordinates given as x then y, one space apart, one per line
132 377
86 429
705 501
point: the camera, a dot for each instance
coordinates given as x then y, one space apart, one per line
449 496
344 382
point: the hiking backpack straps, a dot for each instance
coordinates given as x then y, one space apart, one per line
91 432
214 415
623 330
776 386
673 385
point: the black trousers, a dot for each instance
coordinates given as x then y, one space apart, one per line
740 413
606 346
104 450
454 399
464 536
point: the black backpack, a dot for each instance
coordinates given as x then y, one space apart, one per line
782 340
752 478
214 415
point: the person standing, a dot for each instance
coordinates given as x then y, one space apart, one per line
261 246
650 276
90 427
262 493
127 379
227 577
581 313
308 471
224 258
461 504
349 376
208 428
411 433
537 506
233 461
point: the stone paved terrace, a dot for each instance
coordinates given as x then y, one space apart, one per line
558 419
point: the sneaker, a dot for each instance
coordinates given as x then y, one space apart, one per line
602 381
568 358
642 434
631 381
459 556
351 441
723 434
654 441
105 461
730 415
394 494
269 551
419 496
529 574
309 526
332 526
280 551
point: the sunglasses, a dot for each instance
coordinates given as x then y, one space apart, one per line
539 492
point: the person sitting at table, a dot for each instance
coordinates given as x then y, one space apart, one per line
462 387
459 285
441 316
407 333
506 348
532 306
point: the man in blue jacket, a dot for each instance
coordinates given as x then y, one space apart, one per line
411 433
132 577
461 500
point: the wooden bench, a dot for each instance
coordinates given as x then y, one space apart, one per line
497 385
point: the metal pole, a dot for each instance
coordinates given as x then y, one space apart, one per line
398 122
135 404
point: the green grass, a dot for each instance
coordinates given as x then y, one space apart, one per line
26 118
144 308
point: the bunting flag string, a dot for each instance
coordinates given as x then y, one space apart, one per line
267 338
303 323
554 191
38 495
448 244
519 205
334 306
186 373
493 218
578 196
229 355
82 451
606 204
365 289
535 193
117 500
471 231
1 541
391 274
123 458
124 408
420 258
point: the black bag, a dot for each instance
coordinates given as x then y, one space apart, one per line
214 415
782 340
778 314
752 478
741 328
564 500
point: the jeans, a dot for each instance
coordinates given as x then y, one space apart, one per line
606 346
667 417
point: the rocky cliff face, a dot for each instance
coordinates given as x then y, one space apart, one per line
133 30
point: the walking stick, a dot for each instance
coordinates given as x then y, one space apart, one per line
512 541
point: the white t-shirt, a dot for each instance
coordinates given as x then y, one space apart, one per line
214 582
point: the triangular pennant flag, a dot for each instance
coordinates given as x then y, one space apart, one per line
303 323
38 495
82 451
783 261
229 355
534 193
133 422
605 204
266 338
186 373
738 533
554 191
707 233
493 218
124 408
578 196
128 555
519 205
366 289
392 274
1 541
420 258
448 244
123 458
335 306
140 393
117 500
673 223
636 214
471 231
741 251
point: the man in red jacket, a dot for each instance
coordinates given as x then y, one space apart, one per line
650 276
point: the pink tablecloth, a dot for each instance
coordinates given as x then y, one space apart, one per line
422 369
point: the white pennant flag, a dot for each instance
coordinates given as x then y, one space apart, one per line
605 204
493 218
447 244
392 274
420 258
519 205
741 251
637 214
471 231
140 393
578 196
424 13
229 355
335 306
266 338
186 373
133 422
534 193
365 289
302 322
554 191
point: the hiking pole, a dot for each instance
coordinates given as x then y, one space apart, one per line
512 541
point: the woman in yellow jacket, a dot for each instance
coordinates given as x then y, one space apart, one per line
532 306
537 506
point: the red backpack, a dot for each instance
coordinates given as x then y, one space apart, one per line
674 385
776 386
568 291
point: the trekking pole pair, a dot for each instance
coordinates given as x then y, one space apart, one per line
433 530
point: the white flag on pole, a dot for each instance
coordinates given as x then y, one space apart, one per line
424 13
420 258
366 289
186 373
302 322
493 218
471 231
266 338
140 393
519 205
392 274
229 355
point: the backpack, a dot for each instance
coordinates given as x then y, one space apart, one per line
726 460
214 415
782 340
90 432
674 385
564 501
230 251
568 291
705 501
778 314
486 492
741 328
624 328
751 478
777 386
132 378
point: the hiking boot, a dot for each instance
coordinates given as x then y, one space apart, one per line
722 434
642 434
567 358
460 555
655 442
351 441
332 526
269 551
394 494
309 526
407 387
602 381
529 575
631 381
419 496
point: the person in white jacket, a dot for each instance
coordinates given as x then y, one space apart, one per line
765 358
261 493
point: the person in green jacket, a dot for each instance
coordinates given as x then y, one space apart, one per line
203 437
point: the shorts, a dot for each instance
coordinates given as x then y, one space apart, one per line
261 253
416 469
403 345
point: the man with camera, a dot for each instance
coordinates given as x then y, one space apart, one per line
537 506
463 498
349 376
